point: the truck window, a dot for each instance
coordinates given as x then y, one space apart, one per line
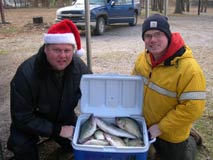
123 2
99 2
79 2
119 2
128 1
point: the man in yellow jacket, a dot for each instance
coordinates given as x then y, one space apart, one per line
174 93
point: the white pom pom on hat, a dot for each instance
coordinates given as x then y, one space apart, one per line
64 32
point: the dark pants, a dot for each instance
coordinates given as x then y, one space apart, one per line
176 151
24 146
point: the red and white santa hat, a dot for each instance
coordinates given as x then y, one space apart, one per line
64 32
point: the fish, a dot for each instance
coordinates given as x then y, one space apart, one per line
114 140
99 135
98 142
87 129
129 124
112 129
133 142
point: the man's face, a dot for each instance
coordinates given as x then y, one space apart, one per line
59 55
156 42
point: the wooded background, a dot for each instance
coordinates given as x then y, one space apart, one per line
155 5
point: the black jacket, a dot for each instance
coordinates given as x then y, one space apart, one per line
39 104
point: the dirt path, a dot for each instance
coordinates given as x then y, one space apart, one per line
114 52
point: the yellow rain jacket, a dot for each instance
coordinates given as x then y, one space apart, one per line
174 92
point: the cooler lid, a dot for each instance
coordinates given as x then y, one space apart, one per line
110 95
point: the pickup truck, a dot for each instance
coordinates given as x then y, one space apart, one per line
102 13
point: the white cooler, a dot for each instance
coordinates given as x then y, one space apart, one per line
109 96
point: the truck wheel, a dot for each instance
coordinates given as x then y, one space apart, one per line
134 23
100 26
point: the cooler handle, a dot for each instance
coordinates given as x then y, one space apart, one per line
151 140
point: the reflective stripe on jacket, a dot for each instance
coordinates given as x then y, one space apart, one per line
174 93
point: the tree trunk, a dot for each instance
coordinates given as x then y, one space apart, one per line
178 7
15 3
183 5
160 5
20 2
68 2
60 3
27 3
2 12
154 5
141 2
35 3
187 6
201 6
205 6
45 3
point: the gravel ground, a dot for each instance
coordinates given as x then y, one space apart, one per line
113 52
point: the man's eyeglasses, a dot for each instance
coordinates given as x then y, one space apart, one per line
155 35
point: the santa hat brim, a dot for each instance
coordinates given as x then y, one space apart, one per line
59 38
67 38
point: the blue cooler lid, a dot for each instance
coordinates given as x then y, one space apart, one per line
111 95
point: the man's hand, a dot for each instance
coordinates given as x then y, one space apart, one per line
67 132
154 131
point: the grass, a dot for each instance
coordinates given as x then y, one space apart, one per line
205 126
8 29
3 52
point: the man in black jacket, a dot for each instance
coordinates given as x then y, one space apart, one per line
45 91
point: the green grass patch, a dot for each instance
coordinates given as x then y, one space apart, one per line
2 52
9 30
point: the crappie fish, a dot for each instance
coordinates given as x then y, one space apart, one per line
133 142
112 129
87 129
114 140
99 135
129 124
96 142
